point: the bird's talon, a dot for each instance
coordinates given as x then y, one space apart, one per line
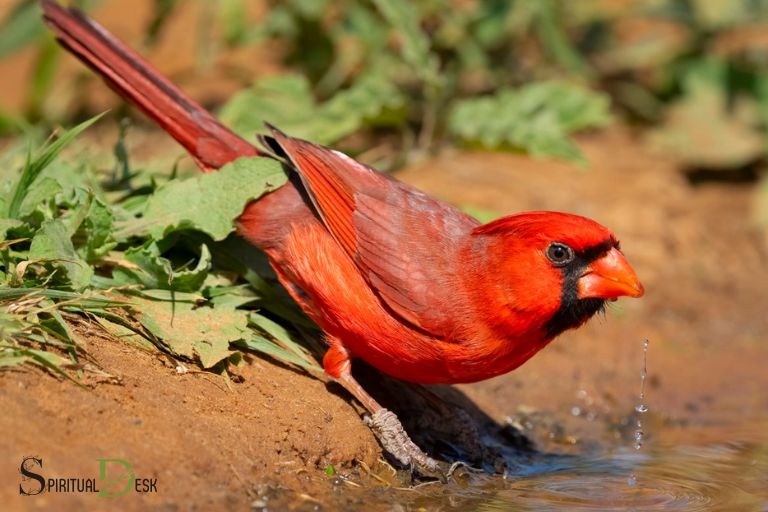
395 440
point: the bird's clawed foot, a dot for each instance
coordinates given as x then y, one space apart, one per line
395 440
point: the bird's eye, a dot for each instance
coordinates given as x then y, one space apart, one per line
560 254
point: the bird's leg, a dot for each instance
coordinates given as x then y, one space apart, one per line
383 422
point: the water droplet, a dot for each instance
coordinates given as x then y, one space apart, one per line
575 410
632 480
641 407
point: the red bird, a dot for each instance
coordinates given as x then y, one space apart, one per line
411 285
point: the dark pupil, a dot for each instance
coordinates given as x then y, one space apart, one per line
559 254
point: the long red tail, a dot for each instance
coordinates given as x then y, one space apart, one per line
208 141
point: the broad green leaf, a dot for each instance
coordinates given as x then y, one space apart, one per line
52 243
209 203
122 332
44 190
152 270
188 331
97 228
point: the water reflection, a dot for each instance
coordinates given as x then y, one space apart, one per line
731 475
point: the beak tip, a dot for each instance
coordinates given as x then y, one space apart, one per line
610 277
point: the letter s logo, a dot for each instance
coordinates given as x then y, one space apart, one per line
27 464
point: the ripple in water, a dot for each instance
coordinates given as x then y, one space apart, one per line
672 478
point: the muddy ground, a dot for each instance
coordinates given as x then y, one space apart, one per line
213 444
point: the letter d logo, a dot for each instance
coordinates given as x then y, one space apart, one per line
116 477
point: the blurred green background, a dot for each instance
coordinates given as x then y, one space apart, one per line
516 75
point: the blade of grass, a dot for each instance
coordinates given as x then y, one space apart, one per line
43 159
88 301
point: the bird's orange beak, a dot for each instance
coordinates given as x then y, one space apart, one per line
609 277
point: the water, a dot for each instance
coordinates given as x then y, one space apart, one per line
640 409
726 475
730 475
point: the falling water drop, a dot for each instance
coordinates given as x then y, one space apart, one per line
640 408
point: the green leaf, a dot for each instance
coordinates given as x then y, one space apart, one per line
152 270
6 224
52 243
209 203
283 336
194 332
270 348
122 331
43 191
97 228
536 118
15 356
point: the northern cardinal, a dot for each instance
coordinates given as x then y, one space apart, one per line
413 286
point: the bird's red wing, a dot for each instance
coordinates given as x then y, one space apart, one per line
404 242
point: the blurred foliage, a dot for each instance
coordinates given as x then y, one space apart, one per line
435 69
524 75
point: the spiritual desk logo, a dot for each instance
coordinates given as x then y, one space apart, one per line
116 478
